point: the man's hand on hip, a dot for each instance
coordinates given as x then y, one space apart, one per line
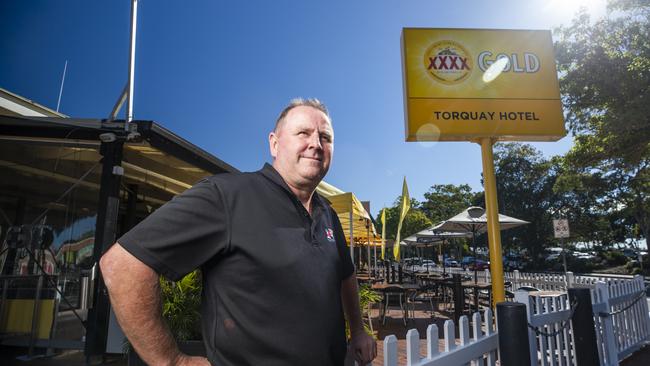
364 348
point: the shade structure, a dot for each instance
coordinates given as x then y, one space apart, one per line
474 220
430 236
469 222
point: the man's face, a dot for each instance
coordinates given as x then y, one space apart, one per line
302 147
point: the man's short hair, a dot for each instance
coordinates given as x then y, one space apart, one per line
299 102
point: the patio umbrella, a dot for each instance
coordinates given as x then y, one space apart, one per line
473 220
429 236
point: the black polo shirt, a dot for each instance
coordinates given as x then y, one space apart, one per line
271 272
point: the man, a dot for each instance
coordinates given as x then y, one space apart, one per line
276 273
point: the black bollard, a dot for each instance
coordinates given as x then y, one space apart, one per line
584 330
512 323
459 297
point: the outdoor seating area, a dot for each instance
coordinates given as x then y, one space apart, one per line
408 297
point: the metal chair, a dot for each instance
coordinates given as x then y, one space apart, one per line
393 296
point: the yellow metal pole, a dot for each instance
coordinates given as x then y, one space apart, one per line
494 231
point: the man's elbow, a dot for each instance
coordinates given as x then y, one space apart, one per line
107 264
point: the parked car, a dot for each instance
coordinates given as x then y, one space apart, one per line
480 265
468 262
425 266
451 262
465 262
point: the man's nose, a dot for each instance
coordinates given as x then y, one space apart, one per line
314 141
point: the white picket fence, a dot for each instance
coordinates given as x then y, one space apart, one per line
542 281
621 320
621 316
480 349
552 344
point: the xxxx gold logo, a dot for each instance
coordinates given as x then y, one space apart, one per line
448 62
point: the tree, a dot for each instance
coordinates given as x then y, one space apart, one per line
605 84
525 182
443 201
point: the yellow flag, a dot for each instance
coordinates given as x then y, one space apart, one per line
383 232
404 206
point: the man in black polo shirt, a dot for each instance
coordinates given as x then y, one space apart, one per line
276 273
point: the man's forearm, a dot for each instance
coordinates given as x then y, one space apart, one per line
135 295
350 300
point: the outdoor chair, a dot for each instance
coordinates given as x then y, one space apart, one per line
424 295
394 296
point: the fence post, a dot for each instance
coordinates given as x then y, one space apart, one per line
570 279
515 280
512 324
524 298
644 304
584 331
390 351
609 338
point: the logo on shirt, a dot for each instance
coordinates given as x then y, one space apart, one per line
330 234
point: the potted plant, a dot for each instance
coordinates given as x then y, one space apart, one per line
181 301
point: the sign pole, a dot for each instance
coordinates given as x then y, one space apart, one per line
492 213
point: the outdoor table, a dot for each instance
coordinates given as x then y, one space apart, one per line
364 278
458 289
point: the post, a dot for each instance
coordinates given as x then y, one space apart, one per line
459 297
105 236
584 331
563 255
36 312
512 324
610 354
515 280
523 297
492 212
399 272
570 279
351 234
131 79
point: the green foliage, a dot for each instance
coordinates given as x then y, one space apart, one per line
525 182
443 201
605 83
614 258
366 297
181 304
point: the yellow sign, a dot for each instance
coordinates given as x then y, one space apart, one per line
464 84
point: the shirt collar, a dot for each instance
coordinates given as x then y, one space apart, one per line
270 173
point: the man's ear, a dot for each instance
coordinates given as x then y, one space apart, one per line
273 144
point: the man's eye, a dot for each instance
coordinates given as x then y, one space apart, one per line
326 138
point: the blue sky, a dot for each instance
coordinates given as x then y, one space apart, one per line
218 72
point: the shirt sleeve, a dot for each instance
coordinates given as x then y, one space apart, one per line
183 234
347 267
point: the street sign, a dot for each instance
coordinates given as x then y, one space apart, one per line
561 228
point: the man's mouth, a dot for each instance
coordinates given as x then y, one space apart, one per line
313 158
